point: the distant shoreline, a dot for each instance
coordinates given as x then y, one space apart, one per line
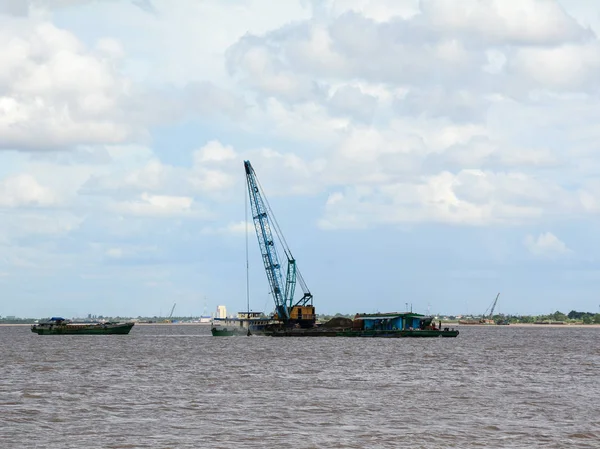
137 324
521 325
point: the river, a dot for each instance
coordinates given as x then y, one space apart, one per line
175 386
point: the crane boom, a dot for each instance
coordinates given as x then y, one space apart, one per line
494 306
265 225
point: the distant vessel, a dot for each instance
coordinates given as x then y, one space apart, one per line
61 326
481 321
487 319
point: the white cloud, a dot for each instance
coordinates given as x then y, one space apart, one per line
469 197
48 225
115 253
379 10
55 92
235 228
306 122
570 67
460 105
156 206
351 100
130 252
380 53
283 174
23 190
443 44
214 151
546 245
153 176
530 22
210 174
26 7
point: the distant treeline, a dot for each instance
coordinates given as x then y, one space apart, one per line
572 316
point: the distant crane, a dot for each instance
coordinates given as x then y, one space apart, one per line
490 316
168 320
286 308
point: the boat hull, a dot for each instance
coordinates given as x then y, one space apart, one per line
229 332
402 333
363 333
83 329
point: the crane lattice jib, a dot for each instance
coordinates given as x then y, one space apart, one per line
494 306
266 243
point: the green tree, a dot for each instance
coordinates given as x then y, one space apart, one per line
597 318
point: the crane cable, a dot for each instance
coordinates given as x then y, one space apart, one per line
247 262
277 229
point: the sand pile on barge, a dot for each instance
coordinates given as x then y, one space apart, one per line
338 321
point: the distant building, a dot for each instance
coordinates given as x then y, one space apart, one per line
221 312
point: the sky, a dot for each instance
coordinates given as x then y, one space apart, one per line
425 154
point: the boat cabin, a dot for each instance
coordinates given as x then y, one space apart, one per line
392 321
244 320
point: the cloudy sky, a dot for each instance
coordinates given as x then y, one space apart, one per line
430 152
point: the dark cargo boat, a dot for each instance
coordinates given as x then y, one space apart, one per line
61 326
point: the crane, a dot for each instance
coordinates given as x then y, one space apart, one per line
493 307
286 308
168 320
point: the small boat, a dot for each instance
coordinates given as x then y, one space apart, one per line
62 326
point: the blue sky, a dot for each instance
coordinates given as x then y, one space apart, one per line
425 152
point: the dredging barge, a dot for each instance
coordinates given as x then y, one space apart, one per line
297 318
381 325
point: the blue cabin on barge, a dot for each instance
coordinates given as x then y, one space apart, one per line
393 321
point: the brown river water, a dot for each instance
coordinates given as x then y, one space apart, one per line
175 386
